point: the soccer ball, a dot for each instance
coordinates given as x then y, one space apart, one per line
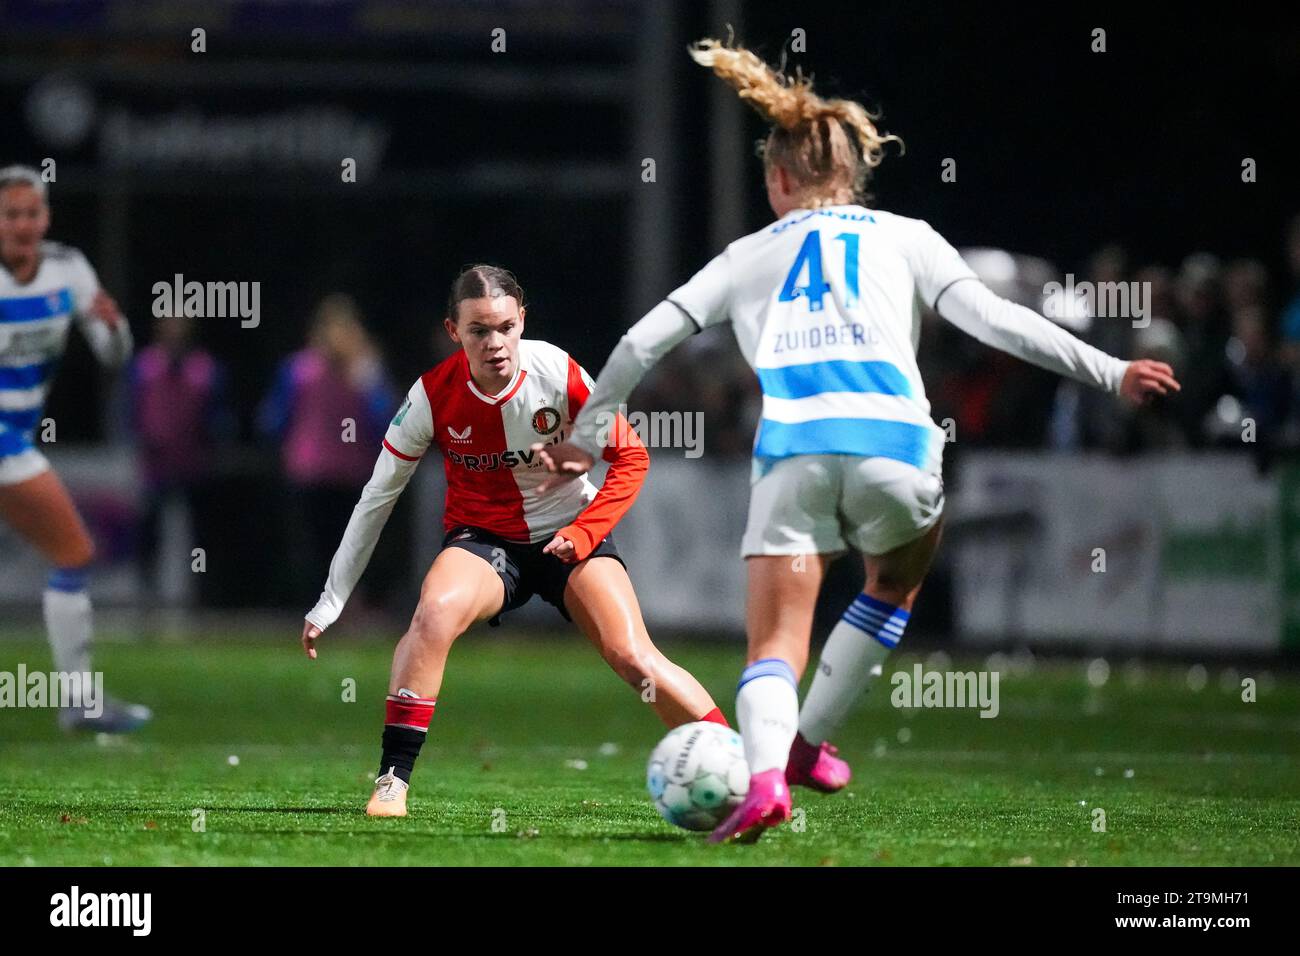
698 775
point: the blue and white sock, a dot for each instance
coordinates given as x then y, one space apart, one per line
852 659
67 619
767 712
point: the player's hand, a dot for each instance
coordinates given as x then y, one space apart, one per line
564 461
103 308
1145 379
562 548
309 634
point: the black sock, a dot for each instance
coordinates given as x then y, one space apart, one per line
401 747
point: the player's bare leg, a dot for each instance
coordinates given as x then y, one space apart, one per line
778 619
779 603
897 577
460 589
42 512
854 657
600 598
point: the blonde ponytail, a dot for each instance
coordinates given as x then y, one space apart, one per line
824 143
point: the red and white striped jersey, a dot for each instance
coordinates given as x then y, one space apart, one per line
492 475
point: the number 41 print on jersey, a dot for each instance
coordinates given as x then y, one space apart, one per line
810 254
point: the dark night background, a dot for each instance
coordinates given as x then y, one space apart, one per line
1058 150
531 158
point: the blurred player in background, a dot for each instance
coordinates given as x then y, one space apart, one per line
482 408
338 378
825 307
44 288
179 414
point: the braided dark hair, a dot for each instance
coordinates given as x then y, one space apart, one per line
483 281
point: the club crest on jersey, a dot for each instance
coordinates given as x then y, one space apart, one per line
460 436
546 420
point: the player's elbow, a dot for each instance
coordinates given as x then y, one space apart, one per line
641 350
114 359
632 456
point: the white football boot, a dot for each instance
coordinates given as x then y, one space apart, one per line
115 717
389 798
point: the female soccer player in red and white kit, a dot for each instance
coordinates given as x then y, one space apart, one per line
825 304
483 408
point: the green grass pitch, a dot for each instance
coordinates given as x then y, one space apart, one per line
536 734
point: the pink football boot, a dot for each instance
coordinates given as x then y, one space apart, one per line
816 767
765 805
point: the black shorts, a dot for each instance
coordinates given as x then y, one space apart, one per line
523 569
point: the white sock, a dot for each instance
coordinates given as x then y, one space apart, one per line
767 710
67 620
852 659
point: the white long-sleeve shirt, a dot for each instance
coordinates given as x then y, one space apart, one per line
826 308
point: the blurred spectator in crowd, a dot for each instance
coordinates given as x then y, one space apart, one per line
1204 326
1245 284
1258 398
1084 417
1160 425
328 408
1290 322
1160 283
178 414
1004 401
1112 333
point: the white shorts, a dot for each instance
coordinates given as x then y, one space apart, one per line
25 465
818 504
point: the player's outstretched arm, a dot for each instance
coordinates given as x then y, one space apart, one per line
566 461
946 283
701 302
628 464
978 311
649 340
409 436
371 513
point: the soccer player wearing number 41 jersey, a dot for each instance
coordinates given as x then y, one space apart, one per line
483 408
825 304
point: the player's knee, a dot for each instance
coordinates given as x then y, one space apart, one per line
439 618
892 586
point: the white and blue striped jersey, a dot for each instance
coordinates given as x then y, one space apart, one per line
34 322
826 308
825 304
